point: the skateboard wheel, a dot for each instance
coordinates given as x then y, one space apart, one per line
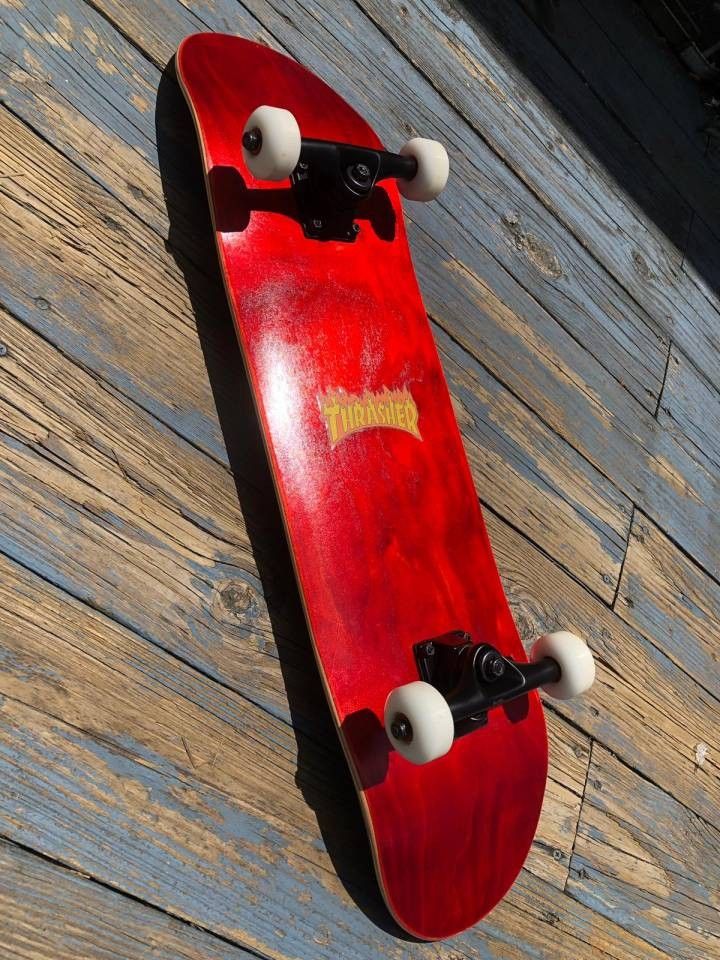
575 659
418 722
271 143
433 167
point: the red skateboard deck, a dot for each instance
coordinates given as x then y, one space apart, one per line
381 513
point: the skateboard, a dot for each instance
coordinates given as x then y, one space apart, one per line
433 696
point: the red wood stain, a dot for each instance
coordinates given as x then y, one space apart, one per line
383 519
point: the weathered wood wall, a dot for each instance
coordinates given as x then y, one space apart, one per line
170 781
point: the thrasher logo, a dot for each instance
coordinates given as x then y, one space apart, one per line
347 413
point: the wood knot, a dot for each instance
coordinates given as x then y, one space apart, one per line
238 599
641 265
539 253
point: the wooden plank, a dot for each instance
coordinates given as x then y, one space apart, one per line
525 41
591 47
467 65
89 277
198 802
499 214
627 708
73 663
648 463
50 913
107 118
539 485
176 845
524 348
561 929
690 407
667 598
114 329
111 529
549 857
643 859
206 859
110 505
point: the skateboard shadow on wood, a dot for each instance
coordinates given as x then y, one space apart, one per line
240 202
322 773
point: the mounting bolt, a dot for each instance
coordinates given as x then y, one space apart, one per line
356 228
252 140
302 165
362 170
401 728
492 666
3 350
317 224
497 667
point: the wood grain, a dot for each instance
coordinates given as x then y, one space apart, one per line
162 727
51 913
539 485
665 596
108 504
104 697
143 293
563 929
648 863
499 215
482 307
690 408
206 859
477 76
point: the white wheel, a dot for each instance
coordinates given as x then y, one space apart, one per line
424 714
276 150
433 167
575 659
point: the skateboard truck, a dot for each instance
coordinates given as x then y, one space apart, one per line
474 678
330 179
462 681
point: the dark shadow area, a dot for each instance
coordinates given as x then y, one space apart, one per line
364 727
517 710
624 92
322 773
